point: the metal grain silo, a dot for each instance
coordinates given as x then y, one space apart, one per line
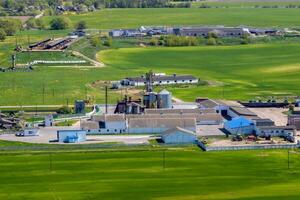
164 99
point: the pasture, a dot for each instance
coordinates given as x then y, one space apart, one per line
186 173
234 72
133 18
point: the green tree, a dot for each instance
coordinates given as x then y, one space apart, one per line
81 25
59 23
211 41
108 42
153 42
10 26
212 35
95 41
2 35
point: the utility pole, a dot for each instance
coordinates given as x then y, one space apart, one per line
43 93
50 162
86 98
106 96
288 159
164 159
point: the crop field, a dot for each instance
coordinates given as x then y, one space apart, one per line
132 18
234 72
183 173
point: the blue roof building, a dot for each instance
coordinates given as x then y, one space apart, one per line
239 125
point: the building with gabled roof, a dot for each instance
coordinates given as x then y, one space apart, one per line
178 135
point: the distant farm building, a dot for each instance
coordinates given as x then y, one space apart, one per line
178 135
161 80
205 31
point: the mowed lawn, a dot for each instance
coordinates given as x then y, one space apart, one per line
132 18
188 174
234 72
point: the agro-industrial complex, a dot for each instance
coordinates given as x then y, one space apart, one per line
157 115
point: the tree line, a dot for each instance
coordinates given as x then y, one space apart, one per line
211 40
54 7
9 27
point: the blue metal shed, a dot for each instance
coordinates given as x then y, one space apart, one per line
71 136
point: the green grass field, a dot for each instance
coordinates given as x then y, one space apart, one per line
246 3
235 72
188 174
132 18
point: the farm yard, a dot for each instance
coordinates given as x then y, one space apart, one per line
181 173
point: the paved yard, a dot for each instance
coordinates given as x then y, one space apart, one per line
49 133
275 114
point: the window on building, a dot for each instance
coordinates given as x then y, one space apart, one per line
107 130
115 130
102 124
190 80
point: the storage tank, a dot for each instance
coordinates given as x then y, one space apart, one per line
150 100
164 99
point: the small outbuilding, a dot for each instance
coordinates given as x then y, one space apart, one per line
178 136
71 136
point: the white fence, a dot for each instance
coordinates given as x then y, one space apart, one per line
249 147
57 62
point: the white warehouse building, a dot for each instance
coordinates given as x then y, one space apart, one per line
161 80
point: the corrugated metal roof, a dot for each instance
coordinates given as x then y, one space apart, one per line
176 129
169 111
163 78
242 111
109 117
161 122
238 122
